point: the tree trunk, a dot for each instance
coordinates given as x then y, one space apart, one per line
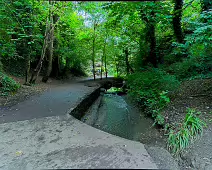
152 55
56 65
27 66
104 58
105 66
67 66
27 47
150 36
117 69
177 15
141 50
127 60
101 66
36 71
93 54
50 50
27 50
50 47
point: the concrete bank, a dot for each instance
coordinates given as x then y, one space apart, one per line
58 140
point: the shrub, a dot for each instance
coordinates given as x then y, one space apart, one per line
191 67
7 84
150 88
77 71
1 66
181 137
197 47
193 58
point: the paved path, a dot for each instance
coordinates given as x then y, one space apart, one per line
39 134
55 101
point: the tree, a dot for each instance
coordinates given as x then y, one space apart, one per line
47 46
104 58
177 15
37 70
93 48
50 44
150 37
63 38
21 32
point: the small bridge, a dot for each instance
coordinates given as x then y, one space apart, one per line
106 83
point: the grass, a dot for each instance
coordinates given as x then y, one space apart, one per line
180 138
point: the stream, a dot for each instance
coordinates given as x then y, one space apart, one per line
117 115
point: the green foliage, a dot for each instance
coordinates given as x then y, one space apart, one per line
114 89
198 48
77 71
191 66
1 66
150 88
179 138
159 119
7 84
118 26
20 33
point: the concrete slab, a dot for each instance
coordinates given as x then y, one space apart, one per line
65 142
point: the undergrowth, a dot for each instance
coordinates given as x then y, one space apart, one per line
150 89
7 85
180 137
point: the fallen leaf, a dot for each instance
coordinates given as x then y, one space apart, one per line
19 153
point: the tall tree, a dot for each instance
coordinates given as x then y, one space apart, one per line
47 45
177 16
149 19
50 44
104 57
93 48
37 70
127 60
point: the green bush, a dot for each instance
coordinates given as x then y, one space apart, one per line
7 84
181 137
1 66
197 50
150 90
191 67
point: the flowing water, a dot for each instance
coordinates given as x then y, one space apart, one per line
117 115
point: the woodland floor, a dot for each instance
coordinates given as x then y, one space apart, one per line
196 94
